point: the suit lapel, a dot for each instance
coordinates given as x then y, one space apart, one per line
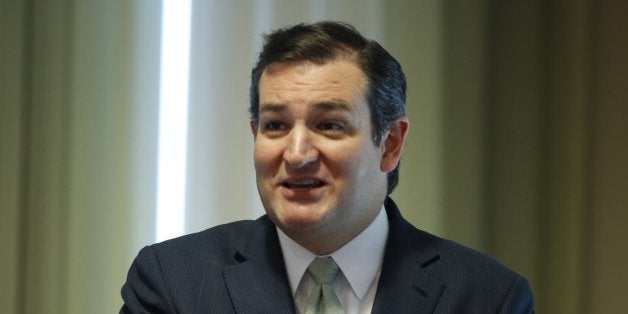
405 284
257 282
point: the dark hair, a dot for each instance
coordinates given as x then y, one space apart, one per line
325 41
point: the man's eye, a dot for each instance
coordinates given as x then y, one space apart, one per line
273 126
331 126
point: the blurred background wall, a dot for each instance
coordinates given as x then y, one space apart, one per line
518 144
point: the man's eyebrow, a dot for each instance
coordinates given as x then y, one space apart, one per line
272 108
323 106
333 105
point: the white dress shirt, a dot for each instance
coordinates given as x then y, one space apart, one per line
359 261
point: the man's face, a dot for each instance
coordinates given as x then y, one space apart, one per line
319 174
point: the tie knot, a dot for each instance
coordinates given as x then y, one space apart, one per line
323 269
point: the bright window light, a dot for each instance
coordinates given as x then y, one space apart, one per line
173 116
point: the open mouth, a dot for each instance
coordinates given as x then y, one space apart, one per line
303 184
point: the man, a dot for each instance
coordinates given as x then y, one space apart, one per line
328 118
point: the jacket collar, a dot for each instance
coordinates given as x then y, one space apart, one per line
406 270
257 281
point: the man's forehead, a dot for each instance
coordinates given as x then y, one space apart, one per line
335 85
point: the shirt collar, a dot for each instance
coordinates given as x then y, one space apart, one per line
359 260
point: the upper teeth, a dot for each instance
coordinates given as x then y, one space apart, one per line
305 182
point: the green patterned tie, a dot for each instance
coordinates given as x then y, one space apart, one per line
322 298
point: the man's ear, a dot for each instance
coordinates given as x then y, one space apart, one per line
392 144
253 128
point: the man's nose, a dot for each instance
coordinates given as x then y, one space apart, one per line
299 151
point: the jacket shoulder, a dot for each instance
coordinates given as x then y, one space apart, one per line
178 274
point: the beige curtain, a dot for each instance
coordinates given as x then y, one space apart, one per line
517 145
78 124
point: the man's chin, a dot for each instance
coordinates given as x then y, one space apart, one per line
299 215
299 223
301 219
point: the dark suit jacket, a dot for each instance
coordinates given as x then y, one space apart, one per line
239 268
